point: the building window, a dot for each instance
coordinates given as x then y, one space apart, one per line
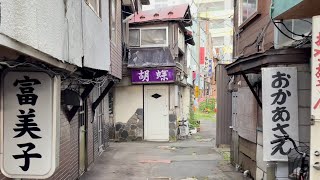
212 6
246 9
151 37
112 17
217 24
218 41
95 6
134 37
148 37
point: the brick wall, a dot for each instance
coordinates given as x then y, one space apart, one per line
90 133
69 149
116 47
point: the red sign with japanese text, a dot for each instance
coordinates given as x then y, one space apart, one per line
202 55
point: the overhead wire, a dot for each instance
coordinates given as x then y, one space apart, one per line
302 35
282 31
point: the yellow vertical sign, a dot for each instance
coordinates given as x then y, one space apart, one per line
196 91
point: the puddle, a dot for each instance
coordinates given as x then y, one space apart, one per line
159 178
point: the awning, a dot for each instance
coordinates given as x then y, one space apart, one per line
150 57
254 63
295 9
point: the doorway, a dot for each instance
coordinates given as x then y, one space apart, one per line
83 138
156 112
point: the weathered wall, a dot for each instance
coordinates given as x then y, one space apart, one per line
47 26
132 130
116 47
224 107
96 37
186 95
65 30
247 34
127 100
69 148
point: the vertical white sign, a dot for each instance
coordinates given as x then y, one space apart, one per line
28 125
315 96
315 69
279 111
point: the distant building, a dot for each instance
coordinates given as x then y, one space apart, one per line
218 14
154 94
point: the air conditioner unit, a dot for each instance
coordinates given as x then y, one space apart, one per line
298 26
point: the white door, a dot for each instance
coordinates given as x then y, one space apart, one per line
156 113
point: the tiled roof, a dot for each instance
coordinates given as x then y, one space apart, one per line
170 13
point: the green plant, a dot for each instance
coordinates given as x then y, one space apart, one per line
192 120
207 106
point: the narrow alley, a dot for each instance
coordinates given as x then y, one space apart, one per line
192 159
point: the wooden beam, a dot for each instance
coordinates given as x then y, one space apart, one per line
102 95
88 88
252 89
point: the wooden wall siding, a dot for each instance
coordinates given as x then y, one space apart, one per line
116 48
234 148
224 111
247 155
249 33
246 116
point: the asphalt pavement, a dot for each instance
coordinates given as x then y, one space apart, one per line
195 158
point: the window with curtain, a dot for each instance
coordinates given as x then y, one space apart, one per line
149 37
134 37
153 37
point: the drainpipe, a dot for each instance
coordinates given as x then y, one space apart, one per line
271 170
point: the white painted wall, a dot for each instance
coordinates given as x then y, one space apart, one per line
127 99
96 37
186 93
63 29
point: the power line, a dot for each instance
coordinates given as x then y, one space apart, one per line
281 30
301 35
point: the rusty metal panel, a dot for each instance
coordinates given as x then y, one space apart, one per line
224 107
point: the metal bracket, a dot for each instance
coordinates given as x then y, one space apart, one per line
252 89
102 95
312 120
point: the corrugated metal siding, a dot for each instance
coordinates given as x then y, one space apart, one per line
116 48
224 107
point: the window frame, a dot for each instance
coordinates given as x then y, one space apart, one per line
151 28
242 22
98 11
139 38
